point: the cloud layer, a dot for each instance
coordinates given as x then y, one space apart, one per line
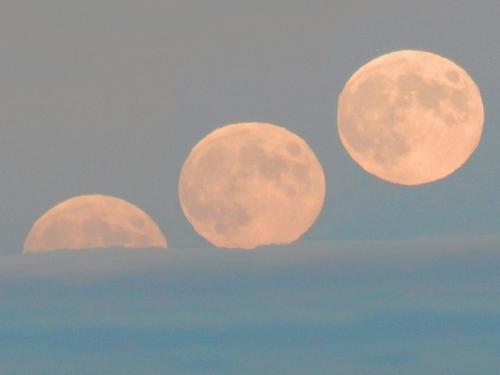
420 306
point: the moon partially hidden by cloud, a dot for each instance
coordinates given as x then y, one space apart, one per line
251 184
410 117
94 221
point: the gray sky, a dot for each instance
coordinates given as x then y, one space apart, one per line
110 96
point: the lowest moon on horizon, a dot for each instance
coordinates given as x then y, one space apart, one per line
94 221
410 117
251 184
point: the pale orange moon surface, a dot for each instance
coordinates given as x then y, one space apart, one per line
94 221
251 184
410 117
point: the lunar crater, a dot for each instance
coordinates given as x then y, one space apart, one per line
137 222
409 120
262 192
453 76
93 221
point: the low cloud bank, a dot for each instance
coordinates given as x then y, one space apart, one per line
355 258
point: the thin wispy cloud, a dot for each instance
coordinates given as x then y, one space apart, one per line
332 257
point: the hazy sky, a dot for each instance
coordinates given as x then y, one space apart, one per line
110 96
380 308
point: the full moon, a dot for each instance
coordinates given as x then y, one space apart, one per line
251 184
93 221
410 117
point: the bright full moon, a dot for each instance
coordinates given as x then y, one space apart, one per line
410 117
251 184
93 221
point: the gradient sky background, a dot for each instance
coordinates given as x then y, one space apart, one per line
110 96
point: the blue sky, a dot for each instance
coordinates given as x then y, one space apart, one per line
388 307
